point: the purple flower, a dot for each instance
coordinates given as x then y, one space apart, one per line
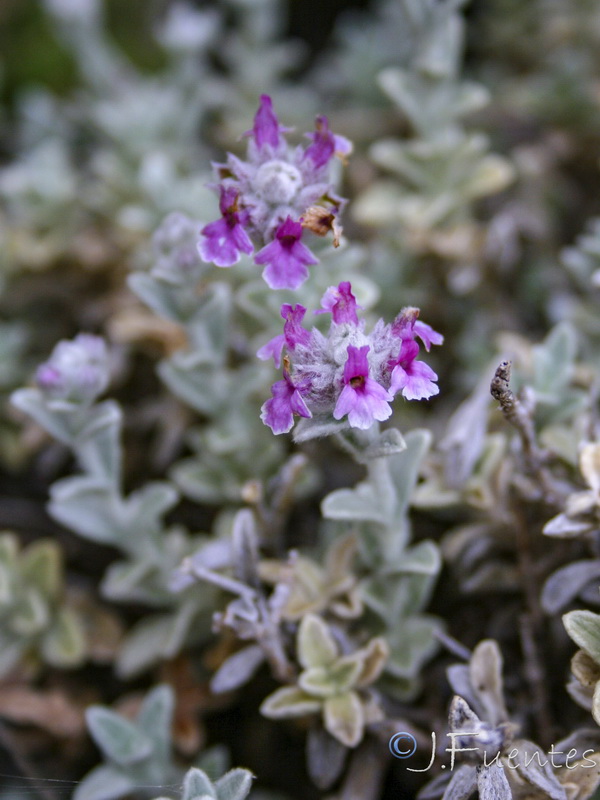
286 258
293 334
362 399
278 412
340 303
414 379
274 197
266 128
272 349
225 238
325 144
347 373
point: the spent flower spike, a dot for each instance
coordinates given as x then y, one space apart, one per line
349 373
268 201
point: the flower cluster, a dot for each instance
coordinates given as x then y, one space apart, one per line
271 198
78 371
348 373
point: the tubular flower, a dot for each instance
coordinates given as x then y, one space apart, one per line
269 200
348 374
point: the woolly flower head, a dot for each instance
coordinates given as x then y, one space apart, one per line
349 373
78 370
269 200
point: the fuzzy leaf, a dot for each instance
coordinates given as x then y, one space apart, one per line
462 784
325 757
197 784
344 718
144 645
235 785
360 504
236 670
596 703
289 701
584 628
327 681
41 565
104 783
87 506
485 672
493 783
155 717
119 739
31 615
405 466
316 647
64 645
566 583
411 644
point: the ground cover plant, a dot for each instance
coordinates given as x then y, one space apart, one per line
299 422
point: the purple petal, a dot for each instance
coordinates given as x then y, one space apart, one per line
416 381
286 258
427 335
357 365
293 331
322 149
278 412
341 303
266 125
363 404
272 349
223 243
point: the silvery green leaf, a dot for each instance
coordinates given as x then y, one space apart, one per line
40 564
209 328
86 505
405 466
197 784
584 628
143 509
97 443
542 778
412 643
317 427
201 386
11 651
459 678
144 645
132 581
390 442
566 527
325 757
485 671
566 583
463 783
289 701
155 718
64 644
344 718
237 670
234 785
157 295
214 761
104 783
119 739
31 614
423 559
553 360
493 783
441 50
359 504
315 645
33 403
